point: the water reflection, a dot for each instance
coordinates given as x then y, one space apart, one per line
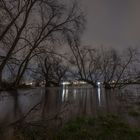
64 93
66 102
99 95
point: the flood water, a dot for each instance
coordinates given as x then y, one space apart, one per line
68 102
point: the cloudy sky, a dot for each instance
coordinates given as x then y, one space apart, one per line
113 23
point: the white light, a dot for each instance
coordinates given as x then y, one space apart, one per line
99 96
66 83
98 83
30 83
64 94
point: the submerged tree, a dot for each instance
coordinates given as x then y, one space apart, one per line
105 65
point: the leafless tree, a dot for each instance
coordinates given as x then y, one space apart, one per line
52 69
116 68
85 66
125 69
36 25
105 65
109 61
18 13
53 28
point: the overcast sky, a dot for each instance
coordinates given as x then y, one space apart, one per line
113 23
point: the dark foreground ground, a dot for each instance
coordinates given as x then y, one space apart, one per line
109 127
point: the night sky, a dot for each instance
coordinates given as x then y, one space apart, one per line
113 23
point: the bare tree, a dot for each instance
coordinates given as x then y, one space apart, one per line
10 12
83 59
52 69
109 61
123 74
38 24
19 25
53 28
115 67
105 65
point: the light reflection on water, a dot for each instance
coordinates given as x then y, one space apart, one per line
99 95
67 102
64 93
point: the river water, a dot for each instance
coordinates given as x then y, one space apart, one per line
68 102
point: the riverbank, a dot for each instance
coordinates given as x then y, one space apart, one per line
109 127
